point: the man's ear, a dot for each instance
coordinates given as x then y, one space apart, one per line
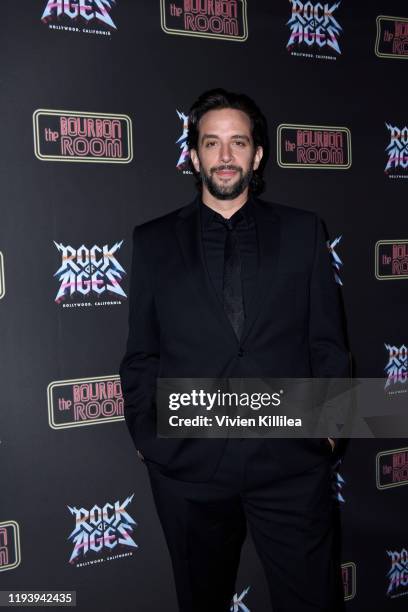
257 157
195 160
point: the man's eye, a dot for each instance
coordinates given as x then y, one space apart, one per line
210 143
240 143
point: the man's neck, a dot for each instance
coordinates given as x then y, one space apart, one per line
226 208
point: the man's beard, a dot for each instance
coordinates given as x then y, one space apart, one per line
226 192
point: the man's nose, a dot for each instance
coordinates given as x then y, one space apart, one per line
225 153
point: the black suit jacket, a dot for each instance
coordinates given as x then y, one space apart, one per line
178 327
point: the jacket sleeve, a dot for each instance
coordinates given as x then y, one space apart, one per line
327 334
139 366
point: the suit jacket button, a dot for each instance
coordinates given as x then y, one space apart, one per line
240 353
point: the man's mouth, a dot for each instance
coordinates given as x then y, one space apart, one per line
226 172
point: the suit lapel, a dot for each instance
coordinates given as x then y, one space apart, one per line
189 235
268 234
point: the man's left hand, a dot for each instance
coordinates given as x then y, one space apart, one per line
332 443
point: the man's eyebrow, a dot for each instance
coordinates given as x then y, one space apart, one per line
241 136
204 136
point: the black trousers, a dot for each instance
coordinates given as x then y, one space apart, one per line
288 509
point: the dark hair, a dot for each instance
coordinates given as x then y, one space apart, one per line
217 99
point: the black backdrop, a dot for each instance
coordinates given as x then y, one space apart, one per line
145 71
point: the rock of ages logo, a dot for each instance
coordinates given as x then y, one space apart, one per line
238 604
183 162
348 573
392 37
398 573
338 483
102 533
397 151
335 259
80 16
84 401
89 276
392 468
314 30
313 146
222 19
2 282
10 553
396 369
391 259
77 136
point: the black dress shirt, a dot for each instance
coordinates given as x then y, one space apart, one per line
214 233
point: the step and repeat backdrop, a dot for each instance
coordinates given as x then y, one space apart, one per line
94 107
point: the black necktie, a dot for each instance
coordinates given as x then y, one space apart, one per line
232 283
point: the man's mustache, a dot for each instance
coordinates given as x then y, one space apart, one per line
225 167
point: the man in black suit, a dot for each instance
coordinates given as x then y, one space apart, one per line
228 287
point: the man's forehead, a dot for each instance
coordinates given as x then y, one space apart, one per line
225 119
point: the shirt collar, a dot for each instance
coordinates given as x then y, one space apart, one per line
208 215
